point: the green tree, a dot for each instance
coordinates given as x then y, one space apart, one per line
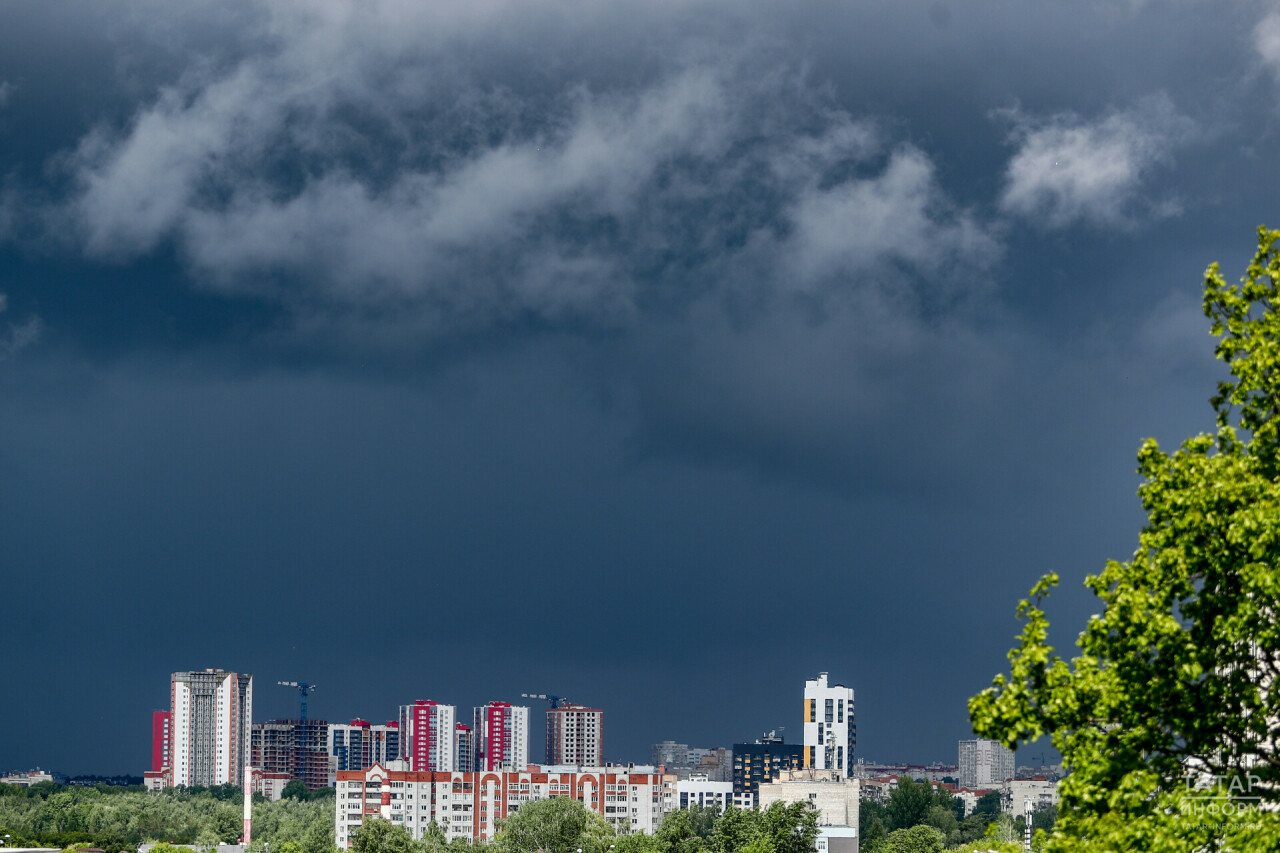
988 804
872 836
295 789
678 833
915 839
909 804
318 837
943 819
789 827
1171 682
557 825
380 836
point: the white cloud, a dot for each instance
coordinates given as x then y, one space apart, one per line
1266 41
899 214
6 92
1068 170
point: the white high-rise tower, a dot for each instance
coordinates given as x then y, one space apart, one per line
830 733
211 721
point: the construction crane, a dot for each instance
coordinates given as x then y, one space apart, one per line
303 689
556 701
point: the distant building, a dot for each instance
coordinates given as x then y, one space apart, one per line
296 748
716 764
501 737
687 762
27 779
160 740
984 763
575 735
830 733
211 718
427 736
1015 793
762 761
269 785
360 744
671 755
935 772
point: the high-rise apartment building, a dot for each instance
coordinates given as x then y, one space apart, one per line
427 736
160 750
501 732
297 748
575 735
464 748
760 762
211 716
359 744
985 763
830 733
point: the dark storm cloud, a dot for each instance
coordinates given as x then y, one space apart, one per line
742 343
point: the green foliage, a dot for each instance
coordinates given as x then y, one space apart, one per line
117 818
916 839
295 789
380 836
556 825
942 819
1171 677
988 804
908 804
789 827
873 835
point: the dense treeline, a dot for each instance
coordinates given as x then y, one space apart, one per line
119 818
918 818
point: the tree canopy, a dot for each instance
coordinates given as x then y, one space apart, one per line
1165 717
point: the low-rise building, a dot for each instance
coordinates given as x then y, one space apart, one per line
703 792
837 839
835 798
970 798
469 804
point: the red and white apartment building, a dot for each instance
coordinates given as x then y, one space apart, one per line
428 736
469 805
501 734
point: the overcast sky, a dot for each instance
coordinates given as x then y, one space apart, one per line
659 355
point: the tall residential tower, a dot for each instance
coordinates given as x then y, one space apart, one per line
501 733
575 735
427 736
210 721
830 734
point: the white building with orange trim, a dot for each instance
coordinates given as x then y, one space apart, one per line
469 804
830 734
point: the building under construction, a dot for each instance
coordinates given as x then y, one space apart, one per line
296 747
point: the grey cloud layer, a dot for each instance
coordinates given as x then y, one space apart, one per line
725 160
16 335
